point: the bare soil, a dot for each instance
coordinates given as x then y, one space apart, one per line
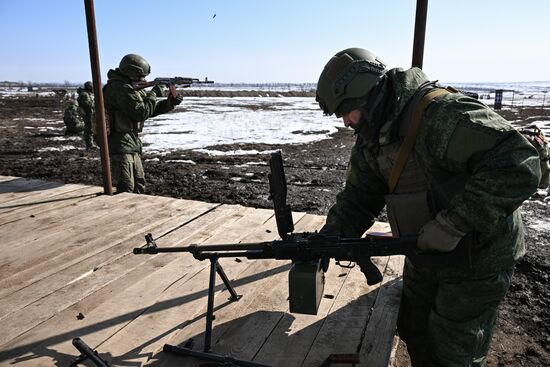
31 127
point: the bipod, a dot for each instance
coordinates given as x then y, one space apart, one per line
207 353
87 353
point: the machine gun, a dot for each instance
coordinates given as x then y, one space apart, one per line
310 253
308 247
171 83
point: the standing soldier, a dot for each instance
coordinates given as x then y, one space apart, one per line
127 111
86 103
445 166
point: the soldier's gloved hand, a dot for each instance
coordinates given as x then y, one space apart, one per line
174 101
158 90
439 234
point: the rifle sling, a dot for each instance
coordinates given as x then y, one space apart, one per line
409 141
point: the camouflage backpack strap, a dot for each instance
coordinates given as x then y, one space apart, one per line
408 143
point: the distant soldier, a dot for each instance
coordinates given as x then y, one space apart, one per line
86 103
127 110
72 119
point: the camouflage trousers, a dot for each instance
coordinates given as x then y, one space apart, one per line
449 321
87 135
128 174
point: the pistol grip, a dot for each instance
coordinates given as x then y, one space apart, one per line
371 271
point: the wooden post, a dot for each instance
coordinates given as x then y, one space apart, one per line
419 33
98 96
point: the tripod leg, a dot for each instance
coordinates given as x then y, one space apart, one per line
210 306
221 273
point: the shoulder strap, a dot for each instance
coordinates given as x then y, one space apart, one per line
408 143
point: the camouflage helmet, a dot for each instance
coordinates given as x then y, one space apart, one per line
88 86
134 66
349 75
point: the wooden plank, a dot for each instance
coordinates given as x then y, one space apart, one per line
342 330
39 245
17 211
63 325
16 200
133 293
19 184
19 200
376 348
109 258
57 221
7 178
41 254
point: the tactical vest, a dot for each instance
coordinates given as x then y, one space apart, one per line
117 121
410 203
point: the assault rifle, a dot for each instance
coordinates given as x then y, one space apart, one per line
171 83
310 253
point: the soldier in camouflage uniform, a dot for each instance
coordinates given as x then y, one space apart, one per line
86 103
72 119
127 111
468 172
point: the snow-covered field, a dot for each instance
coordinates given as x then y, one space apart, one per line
205 123
208 122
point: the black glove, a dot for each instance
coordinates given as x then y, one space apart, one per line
174 101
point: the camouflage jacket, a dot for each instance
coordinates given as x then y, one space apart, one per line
72 119
459 140
127 110
86 103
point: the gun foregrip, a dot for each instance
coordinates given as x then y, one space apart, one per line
145 250
371 271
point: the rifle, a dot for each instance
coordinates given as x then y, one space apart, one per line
171 83
87 353
310 253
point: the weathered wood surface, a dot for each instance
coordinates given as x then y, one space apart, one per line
68 271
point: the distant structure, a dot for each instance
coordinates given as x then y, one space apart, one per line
498 99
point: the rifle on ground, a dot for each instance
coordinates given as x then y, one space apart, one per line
171 83
87 353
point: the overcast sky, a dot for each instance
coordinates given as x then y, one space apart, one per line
274 41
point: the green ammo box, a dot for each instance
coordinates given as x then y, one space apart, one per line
306 283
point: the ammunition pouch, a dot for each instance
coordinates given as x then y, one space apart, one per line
120 123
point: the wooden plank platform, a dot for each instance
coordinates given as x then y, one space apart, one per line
68 271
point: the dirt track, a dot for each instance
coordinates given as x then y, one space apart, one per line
31 128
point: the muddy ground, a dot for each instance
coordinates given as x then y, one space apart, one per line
32 145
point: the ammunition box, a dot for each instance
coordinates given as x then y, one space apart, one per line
306 283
